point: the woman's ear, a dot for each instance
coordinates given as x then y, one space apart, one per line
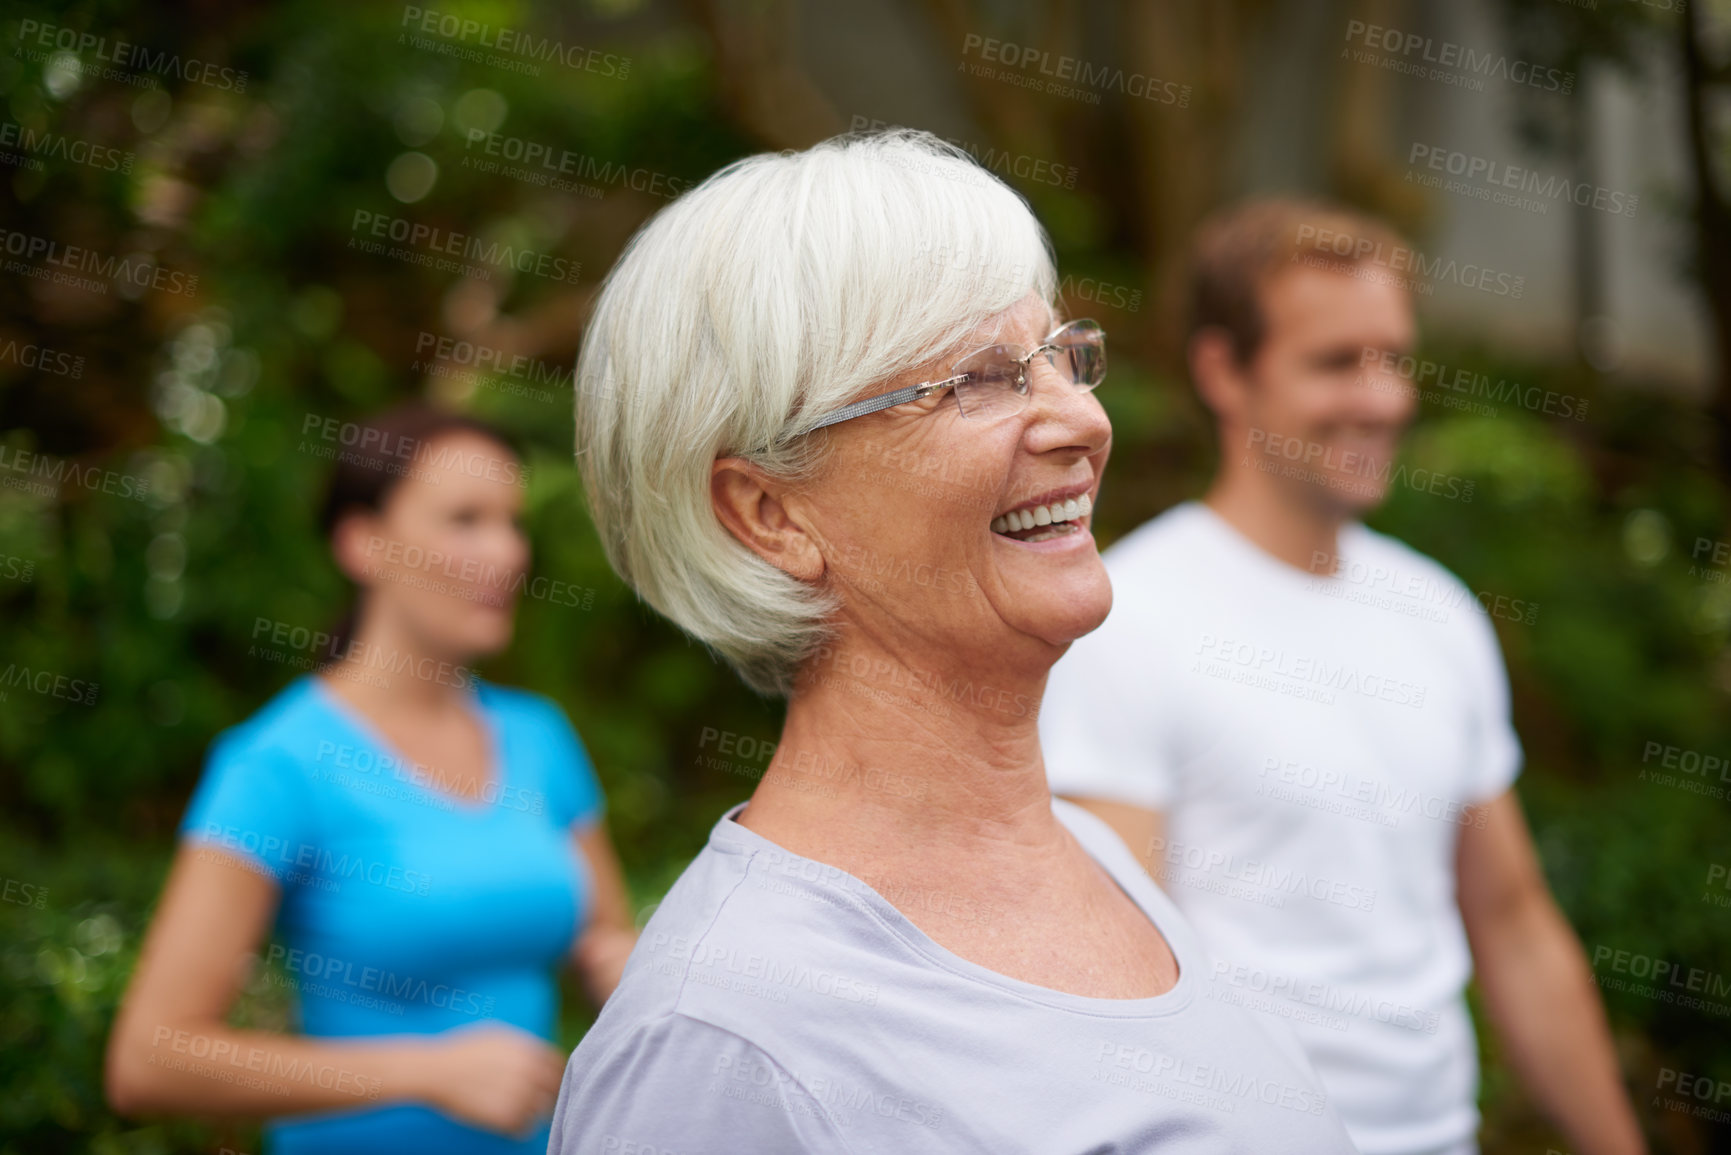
757 512
351 537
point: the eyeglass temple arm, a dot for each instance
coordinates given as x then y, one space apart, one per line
885 401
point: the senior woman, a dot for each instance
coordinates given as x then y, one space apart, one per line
830 424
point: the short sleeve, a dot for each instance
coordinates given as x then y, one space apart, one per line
253 802
680 1084
573 794
1099 725
1497 754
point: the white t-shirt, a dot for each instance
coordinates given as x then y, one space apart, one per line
1313 742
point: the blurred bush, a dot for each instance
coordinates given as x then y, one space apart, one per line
203 402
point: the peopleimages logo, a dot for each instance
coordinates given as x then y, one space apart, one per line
840 1101
1216 654
316 647
778 973
1328 247
1229 1084
49 684
1063 70
928 684
54 471
1488 178
317 861
1004 164
58 146
1448 61
1258 873
491 367
1326 997
327 971
36 40
1446 379
496 45
62 264
406 451
1317 463
42 359
1668 977
1375 794
543 164
271 1071
1418 593
436 243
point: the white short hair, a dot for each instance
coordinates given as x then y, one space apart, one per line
778 290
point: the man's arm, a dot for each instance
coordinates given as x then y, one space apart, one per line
1537 985
1143 830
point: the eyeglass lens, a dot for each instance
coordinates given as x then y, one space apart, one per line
994 380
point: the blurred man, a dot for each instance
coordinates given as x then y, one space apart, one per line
1302 726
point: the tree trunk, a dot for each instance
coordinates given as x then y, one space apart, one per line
1712 227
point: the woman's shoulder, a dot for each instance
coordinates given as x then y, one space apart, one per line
744 910
664 1081
287 728
751 977
262 775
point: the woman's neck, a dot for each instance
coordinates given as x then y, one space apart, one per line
386 671
880 760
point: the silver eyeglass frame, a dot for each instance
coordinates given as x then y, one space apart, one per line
917 392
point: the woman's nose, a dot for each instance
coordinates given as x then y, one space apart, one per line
1059 403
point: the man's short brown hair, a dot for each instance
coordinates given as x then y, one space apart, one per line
1239 249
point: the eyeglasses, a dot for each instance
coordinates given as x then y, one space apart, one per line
993 382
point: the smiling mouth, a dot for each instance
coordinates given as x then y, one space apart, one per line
1042 522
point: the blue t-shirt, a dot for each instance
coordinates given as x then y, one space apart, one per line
405 909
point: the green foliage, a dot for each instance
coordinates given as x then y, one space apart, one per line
69 935
153 593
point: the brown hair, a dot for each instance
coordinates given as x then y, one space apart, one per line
373 457
1238 250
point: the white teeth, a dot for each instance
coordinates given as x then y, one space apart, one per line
1042 515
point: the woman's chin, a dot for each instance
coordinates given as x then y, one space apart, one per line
1081 624
1064 609
486 638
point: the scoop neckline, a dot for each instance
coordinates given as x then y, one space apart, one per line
1171 1001
373 736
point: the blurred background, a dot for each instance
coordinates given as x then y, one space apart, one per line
192 288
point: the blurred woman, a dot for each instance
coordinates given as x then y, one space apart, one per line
832 423
429 846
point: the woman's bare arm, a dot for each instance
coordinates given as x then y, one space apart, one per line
601 949
171 1050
